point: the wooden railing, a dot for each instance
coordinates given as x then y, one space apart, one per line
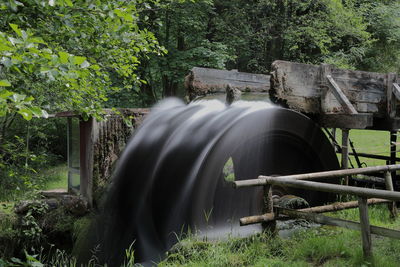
303 181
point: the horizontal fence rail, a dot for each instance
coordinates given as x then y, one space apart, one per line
335 188
301 181
262 180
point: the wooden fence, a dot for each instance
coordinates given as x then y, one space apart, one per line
303 181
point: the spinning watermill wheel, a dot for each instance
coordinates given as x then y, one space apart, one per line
174 174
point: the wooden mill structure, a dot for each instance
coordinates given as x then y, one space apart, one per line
333 98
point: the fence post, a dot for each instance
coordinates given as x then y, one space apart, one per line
389 186
269 226
365 228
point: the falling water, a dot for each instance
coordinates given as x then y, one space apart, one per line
173 175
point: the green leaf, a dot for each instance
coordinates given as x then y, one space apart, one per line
5 83
85 64
95 67
69 3
5 94
63 57
37 40
16 29
36 111
78 60
45 114
18 98
26 113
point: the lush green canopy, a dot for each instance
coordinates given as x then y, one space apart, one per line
83 55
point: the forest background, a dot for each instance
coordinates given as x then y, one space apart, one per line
83 56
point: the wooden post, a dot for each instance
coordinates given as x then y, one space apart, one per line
393 147
390 97
268 226
345 153
365 228
389 186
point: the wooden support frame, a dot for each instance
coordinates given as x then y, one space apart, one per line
362 193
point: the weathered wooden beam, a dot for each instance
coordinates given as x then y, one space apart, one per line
353 121
396 91
302 87
267 217
203 81
317 175
342 206
334 188
322 219
340 96
319 209
365 228
390 96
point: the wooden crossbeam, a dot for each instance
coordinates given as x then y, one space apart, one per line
340 96
318 175
396 90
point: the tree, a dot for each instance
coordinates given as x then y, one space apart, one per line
59 55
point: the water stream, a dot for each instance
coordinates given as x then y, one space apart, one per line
172 177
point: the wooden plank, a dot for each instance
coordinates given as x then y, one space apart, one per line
296 85
267 217
319 209
365 228
390 99
340 96
322 219
334 188
396 90
261 181
355 121
203 81
292 81
342 206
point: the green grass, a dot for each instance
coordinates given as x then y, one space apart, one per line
320 246
367 141
56 177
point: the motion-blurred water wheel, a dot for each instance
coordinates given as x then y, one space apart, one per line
174 174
